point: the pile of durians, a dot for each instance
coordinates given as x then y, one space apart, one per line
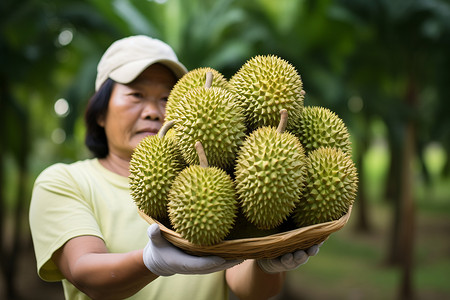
243 157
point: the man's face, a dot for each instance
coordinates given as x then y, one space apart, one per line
137 109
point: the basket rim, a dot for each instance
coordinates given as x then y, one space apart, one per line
257 247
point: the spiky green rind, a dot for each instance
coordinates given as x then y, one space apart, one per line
331 183
193 79
269 176
154 165
212 117
264 85
320 127
202 205
170 133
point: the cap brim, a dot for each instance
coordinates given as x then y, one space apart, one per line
128 72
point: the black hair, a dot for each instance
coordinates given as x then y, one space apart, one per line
95 139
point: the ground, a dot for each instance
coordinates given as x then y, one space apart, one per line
348 266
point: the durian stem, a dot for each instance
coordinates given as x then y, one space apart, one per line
209 79
201 154
283 121
166 126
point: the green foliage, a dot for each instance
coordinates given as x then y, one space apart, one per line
362 59
351 265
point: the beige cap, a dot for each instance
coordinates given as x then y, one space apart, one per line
126 58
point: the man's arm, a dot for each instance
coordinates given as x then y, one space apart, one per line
264 278
87 264
248 281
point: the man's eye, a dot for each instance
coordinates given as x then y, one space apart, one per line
137 95
165 99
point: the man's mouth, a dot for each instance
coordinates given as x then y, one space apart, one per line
148 131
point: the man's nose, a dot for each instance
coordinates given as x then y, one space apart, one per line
151 111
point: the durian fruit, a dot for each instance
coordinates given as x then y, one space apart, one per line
269 174
212 117
320 127
171 132
330 187
243 229
193 79
154 164
265 85
202 203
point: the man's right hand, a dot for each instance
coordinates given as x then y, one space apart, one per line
164 259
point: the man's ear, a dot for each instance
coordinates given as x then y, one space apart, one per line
101 120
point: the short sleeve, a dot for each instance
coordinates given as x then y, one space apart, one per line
60 209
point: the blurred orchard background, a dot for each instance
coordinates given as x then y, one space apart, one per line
381 65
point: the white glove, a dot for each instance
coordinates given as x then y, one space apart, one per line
164 259
288 261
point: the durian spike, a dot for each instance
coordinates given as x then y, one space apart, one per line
201 154
163 130
209 79
283 120
302 92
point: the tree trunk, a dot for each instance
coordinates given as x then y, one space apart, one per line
2 200
407 220
395 136
446 169
362 224
407 212
13 255
392 195
10 249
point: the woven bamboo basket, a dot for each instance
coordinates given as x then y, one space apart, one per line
257 247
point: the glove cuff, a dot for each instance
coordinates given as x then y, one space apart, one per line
264 265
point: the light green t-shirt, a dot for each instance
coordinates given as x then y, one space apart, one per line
84 198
